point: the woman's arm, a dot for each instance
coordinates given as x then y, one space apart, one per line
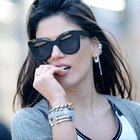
30 124
51 89
64 131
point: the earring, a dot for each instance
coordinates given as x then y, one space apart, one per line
97 58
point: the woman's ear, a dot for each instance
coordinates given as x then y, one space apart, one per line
97 51
97 47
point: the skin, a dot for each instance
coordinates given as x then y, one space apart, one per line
75 85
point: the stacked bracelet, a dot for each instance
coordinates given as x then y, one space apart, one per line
61 113
62 107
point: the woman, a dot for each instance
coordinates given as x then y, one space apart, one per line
69 80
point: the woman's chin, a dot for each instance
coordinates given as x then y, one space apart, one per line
66 82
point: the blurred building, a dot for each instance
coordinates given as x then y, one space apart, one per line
122 22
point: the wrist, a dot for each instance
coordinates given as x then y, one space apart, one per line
61 113
59 101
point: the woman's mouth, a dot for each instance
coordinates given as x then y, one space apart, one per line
65 67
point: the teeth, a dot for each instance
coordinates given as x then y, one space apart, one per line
64 67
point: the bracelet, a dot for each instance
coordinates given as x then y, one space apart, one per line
61 113
65 112
67 105
60 120
66 119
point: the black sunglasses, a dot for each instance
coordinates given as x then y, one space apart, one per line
67 42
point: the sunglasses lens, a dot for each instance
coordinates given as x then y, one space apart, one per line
69 44
40 50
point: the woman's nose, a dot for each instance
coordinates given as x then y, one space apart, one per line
56 53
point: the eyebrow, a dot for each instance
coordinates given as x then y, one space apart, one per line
63 33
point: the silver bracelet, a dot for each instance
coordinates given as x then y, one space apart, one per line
67 105
65 112
61 113
57 117
60 121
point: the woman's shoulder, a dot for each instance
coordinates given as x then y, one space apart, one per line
124 103
29 122
130 109
34 112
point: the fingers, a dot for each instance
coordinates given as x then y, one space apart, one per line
47 85
56 70
49 70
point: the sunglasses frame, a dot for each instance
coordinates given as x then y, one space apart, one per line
75 33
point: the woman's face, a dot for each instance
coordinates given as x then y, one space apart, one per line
79 64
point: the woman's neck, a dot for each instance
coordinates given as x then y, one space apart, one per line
84 98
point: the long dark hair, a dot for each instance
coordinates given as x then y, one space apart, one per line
115 79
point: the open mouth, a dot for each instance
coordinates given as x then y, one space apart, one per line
65 67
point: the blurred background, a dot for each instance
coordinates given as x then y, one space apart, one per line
121 17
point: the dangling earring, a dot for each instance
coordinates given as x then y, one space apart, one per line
97 58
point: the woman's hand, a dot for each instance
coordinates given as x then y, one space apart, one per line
46 84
